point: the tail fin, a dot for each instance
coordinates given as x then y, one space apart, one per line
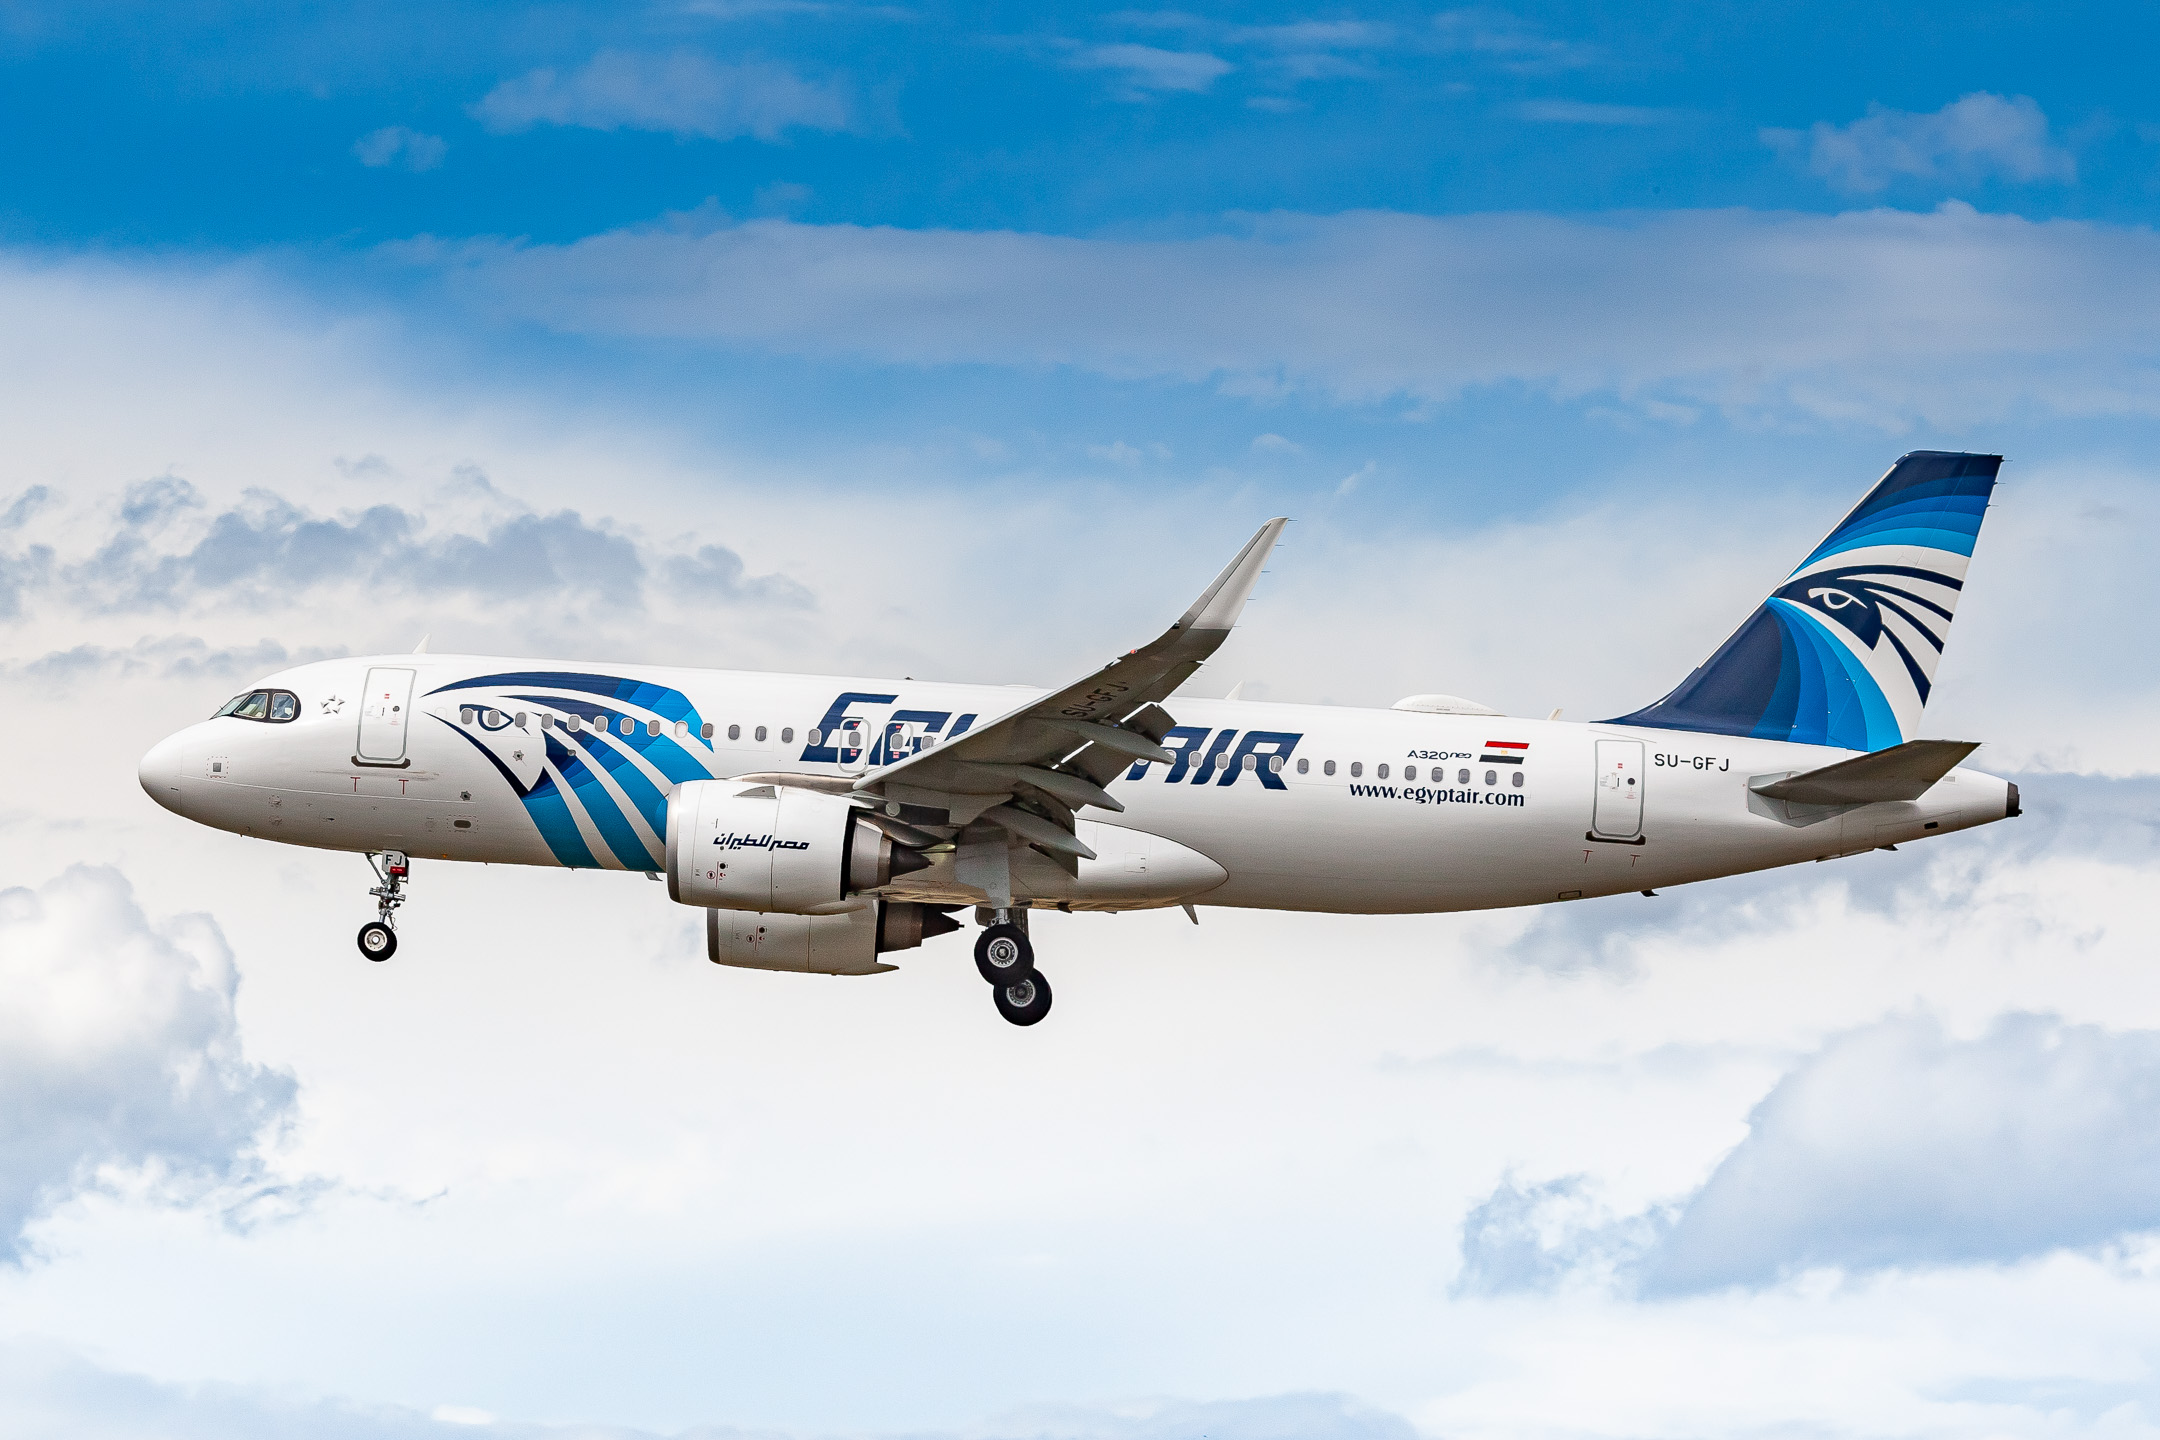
1844 652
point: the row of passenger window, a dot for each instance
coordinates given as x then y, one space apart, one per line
496 719
489 719
1409 772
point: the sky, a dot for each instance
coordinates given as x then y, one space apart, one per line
899 339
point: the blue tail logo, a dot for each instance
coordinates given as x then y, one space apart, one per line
1844 652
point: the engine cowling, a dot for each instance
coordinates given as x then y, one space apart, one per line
775 849
848 943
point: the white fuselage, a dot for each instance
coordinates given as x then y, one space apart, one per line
1371 811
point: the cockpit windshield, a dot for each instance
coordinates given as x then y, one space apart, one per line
270 705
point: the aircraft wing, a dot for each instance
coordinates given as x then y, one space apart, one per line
1032 767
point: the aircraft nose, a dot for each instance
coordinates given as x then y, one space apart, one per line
159 771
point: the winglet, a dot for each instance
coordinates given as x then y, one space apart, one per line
1219 605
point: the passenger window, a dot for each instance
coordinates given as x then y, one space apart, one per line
759 734
283 706
547 722
1252 762
1304 767
494 719
705 731
573 723
652 729
816 737
1357 768
625 725
518 719
787 736
1492 777
734 732
1328 768
465 714
1409 772
1516 779
1462 777
1274 764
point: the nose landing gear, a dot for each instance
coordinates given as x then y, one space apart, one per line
378 938
1007 961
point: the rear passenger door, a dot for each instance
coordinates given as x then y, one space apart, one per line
1616 813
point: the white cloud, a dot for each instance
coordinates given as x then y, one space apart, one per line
1508 41
1145 71
120 1053
1975 137
1898 1146
1583 112
1880 317
405 148
682 93
1537 1238
47 1392
166 552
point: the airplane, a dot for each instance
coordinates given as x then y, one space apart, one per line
823 824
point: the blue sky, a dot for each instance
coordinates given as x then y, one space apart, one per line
888 339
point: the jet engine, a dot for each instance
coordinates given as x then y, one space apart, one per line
775 848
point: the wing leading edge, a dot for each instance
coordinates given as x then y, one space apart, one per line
1027 771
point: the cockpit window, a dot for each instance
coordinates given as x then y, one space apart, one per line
269 705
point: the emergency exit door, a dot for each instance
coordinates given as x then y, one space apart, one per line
1616 813
385 715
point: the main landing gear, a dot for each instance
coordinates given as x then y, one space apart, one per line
378 938
1007 961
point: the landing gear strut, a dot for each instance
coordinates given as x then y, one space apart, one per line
1007 961
378 938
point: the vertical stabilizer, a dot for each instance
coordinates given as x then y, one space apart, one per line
1844 652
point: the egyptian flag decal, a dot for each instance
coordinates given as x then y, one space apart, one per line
1504 752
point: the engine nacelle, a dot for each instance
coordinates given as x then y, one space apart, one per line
774 849
844 944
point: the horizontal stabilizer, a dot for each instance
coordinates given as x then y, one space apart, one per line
1903 772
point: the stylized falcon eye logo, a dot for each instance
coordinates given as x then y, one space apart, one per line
1850 604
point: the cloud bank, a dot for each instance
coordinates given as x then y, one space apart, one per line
1881 317
166 551
47 1392
120 1053
1897 1145
1894 1146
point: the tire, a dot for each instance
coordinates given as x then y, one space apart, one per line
1027 1010
1002 953
377 941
